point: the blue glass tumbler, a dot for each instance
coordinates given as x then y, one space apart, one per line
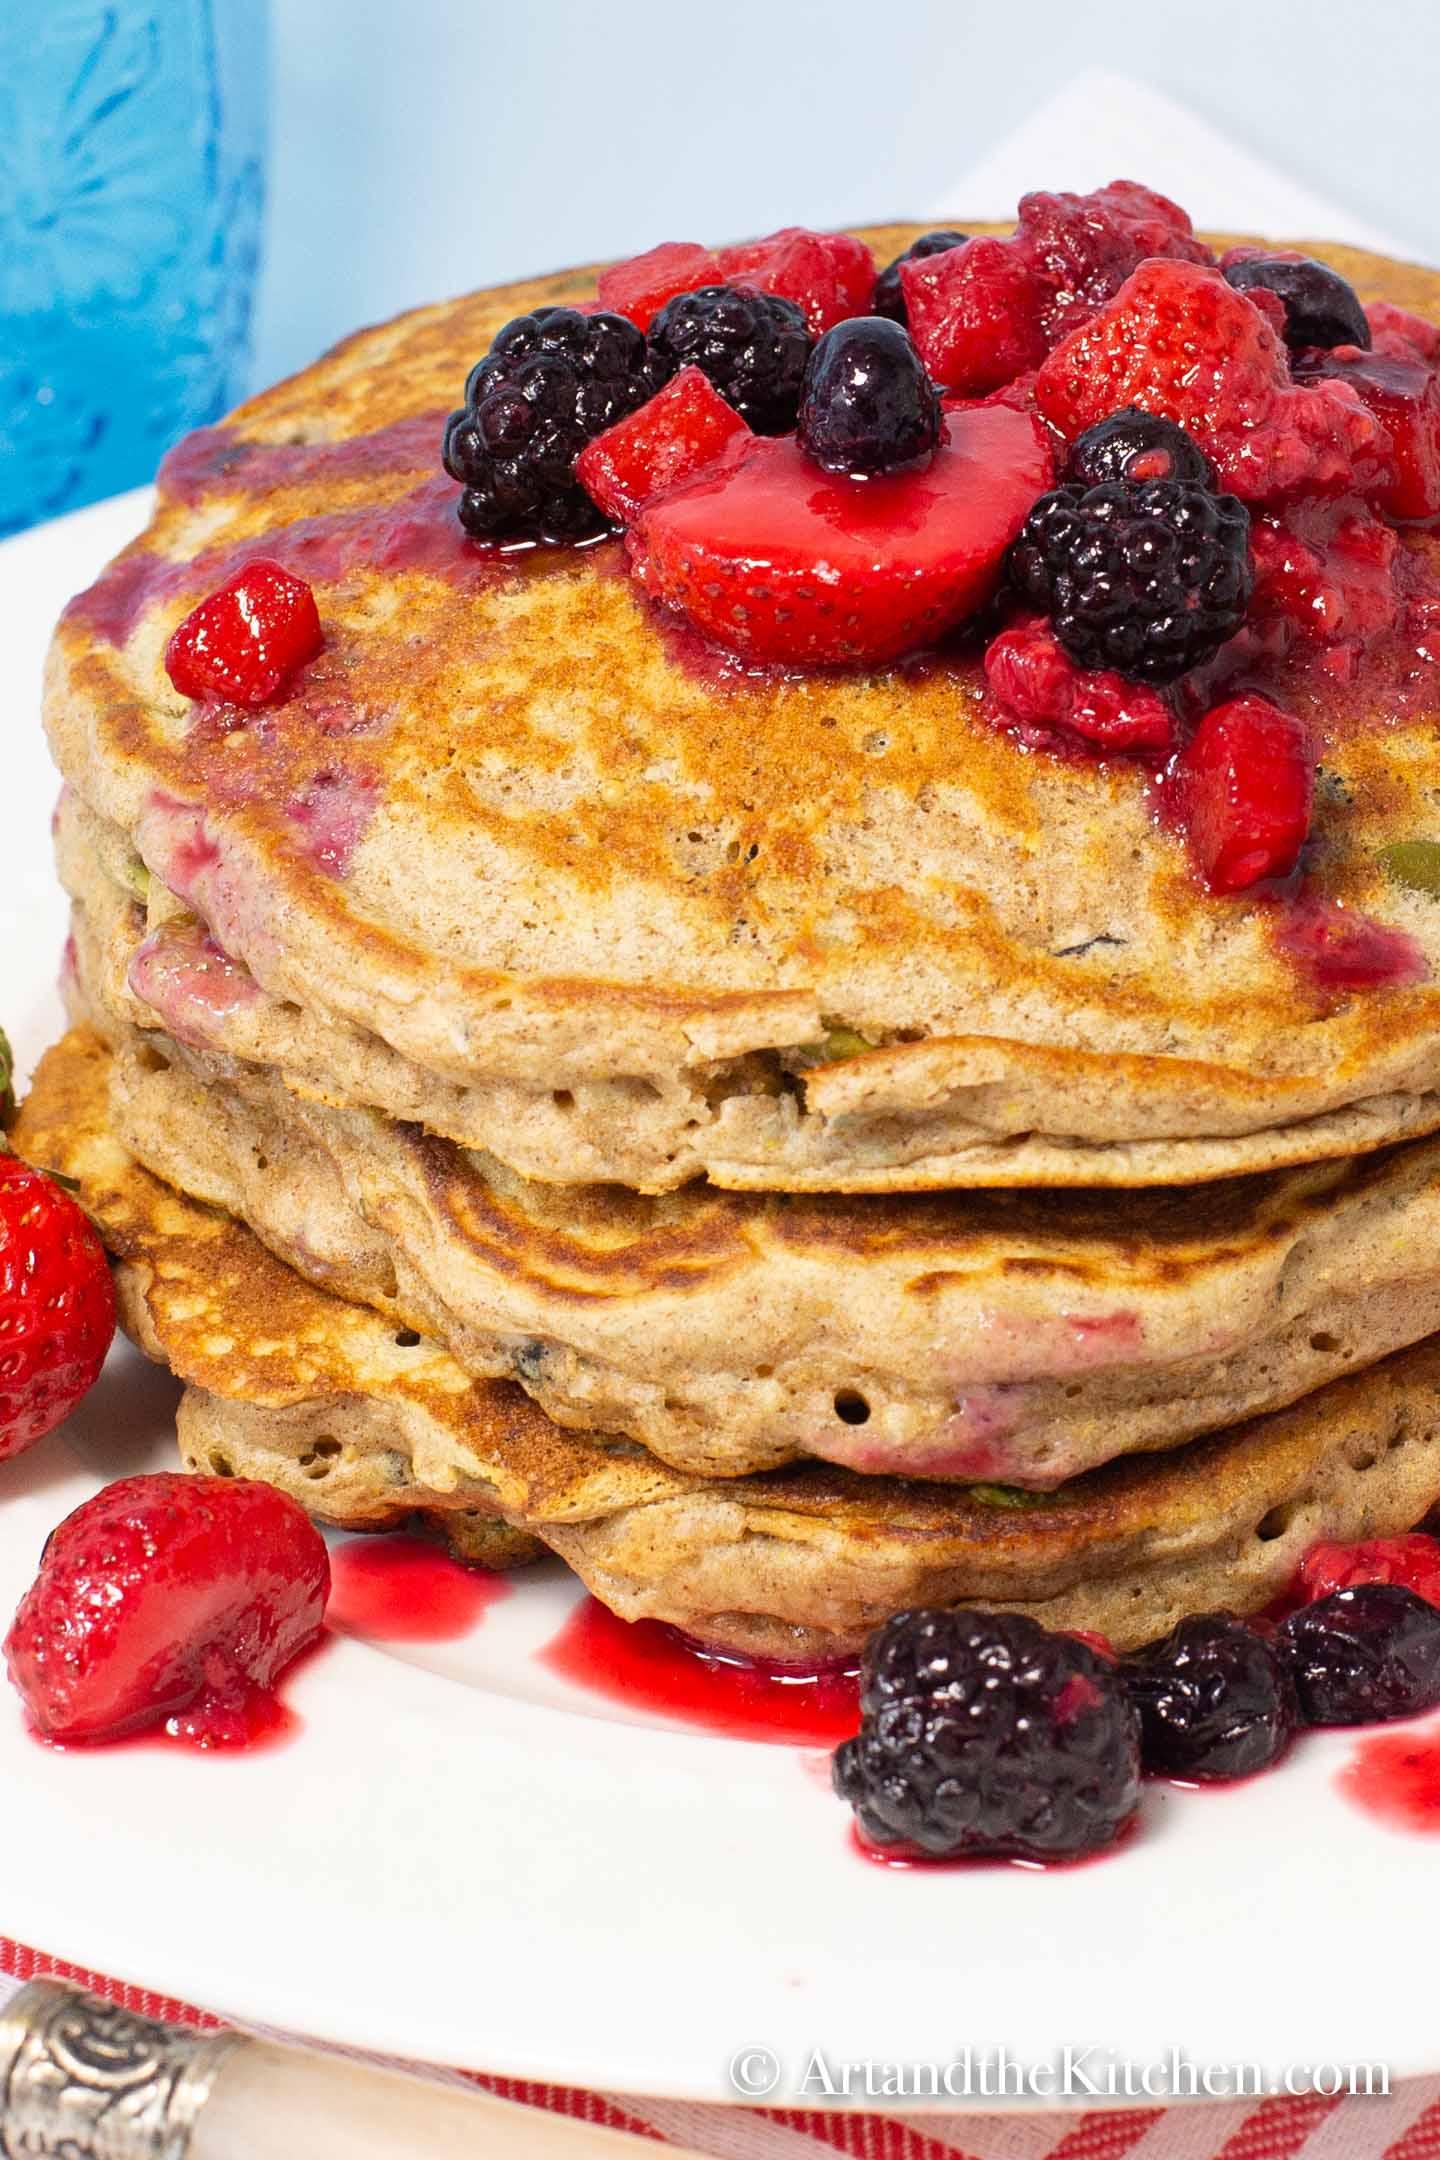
132 142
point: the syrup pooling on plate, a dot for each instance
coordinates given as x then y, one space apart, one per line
1395 1779
401 1590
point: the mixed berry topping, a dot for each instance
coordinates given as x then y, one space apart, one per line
1243 787
1321 307
168 1600
1147 578
550 382
984 1734
682 430
1135 446
57 1308
1046 696
888 297
867 405
1365 1653
1215 1700
249 639
753 347
1412 1561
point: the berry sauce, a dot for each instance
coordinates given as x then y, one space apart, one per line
1395 1777
1339 949
648 1666
399 1589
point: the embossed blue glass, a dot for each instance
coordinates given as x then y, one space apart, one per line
132 141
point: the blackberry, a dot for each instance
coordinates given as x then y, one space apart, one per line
983 1733
868 406
752 345
1362 1654
549 382
1135 445
1321 307
1147 579
1214 1699
889 295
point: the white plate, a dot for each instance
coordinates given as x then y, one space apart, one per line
463 1860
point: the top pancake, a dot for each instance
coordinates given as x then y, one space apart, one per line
511 828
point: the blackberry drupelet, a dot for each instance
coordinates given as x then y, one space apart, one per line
752 345
1363 1654
889 295
1135 445
1321 307
1149 580
550 381
984 1734
868 405
1214 1699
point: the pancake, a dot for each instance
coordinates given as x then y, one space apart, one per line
369 1427
1015 1337
542 877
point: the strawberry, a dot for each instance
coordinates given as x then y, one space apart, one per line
1034 682
1404 397
248 639
1243 786
827 275
168 1600
57 1306
774 559
1412 1561
1179 341
1327 570
1083 247
640 287
975 314
683 428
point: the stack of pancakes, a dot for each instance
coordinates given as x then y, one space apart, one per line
770 1140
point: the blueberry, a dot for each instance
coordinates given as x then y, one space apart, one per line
983 1733
1215 1700
1321 307
889 295
1363 1654
1135 445
868 406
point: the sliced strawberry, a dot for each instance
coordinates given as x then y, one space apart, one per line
976 314
1034 682
57 1306
1404 397
828 275
246 641
1179 341
640 287
1412 1561
681 430
168 1598
780 562
1243 787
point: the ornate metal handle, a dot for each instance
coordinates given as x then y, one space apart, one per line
83 2080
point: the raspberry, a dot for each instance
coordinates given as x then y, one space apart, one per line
1214 1700
827 275
1327 570
1134 445
248 639
1363 1654
640 287
888 297
1148 579
1413 1562
983 1733
1179 341
1036 683
975 314
1404 398
1085 246
771 559
751 345
1243 786
868 406
1321 307
57 1307
684 428
167 1598
550 382
1398 335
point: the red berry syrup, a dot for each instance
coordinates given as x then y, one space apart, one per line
399 1589
649 1666
1395 1777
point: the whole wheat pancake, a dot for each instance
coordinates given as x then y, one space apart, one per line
367 1427
1015 1337
526 863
